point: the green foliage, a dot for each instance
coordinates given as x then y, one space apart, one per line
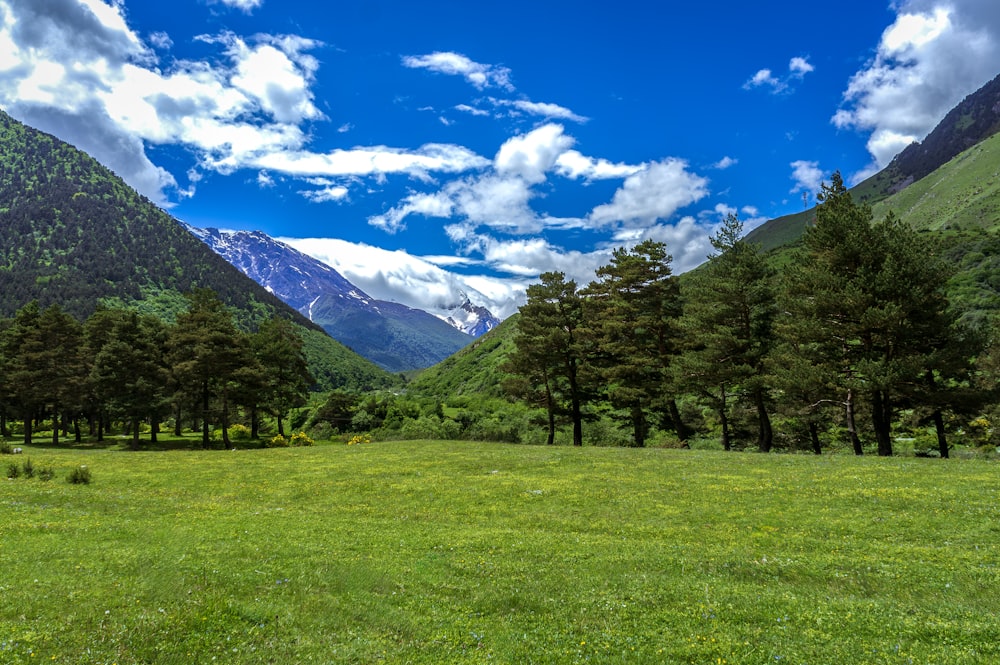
13 470
278 441
80 475
74 234
301 439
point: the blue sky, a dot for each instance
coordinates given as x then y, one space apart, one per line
425 149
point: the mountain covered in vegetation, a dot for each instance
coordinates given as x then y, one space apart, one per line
974 188
395 337
74 234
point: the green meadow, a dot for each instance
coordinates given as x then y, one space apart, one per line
455 552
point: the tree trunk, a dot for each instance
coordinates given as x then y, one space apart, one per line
225 419
135 433
281 426
27 430
638 426
77 432
55 426
154 429
814 437
939 428
682 431
576 411
852 430
254 424
724 420
177 422
882 422
765 436
204 416
550 408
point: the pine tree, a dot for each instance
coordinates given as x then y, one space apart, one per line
548 357
631 312
727 330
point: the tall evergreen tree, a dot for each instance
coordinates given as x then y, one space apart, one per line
727 327
870 300
205 351
548 353
129 372
277 347
631 312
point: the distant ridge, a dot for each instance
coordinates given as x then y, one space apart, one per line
395 337
74 234
972 121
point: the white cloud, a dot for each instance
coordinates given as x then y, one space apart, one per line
245 6
531 155
573 164
725 163
807 175
934 54
654 193
455 64
330 193
398 276
546 110
798 67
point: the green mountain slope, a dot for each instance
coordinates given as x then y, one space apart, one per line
73 233
965 192
472 371
971 123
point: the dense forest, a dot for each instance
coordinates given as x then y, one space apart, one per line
74 234
132 369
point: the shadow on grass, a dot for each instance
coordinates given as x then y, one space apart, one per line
124 443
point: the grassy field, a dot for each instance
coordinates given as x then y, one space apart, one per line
424 552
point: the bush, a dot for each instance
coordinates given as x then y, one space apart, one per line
301 439
5 448
13 470
79 476
28 468
46 473
239 432
277 441
359 438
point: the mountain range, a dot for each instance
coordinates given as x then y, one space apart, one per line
74 234
392 335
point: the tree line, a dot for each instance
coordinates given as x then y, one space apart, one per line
854 331
123 366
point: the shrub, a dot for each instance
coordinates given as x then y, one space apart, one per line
277 441
13 470
5 448
79 476
239 432
28 468
301 439
46 473
359 438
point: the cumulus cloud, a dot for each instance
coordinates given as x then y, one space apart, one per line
807 175
655 193
932 56
798 67
397 276
533 154
75 68
455 64
246 6
725 163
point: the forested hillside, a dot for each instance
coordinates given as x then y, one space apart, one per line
74 234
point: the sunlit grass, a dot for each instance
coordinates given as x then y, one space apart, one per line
457 552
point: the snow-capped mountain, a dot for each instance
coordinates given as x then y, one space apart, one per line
472 319
389 334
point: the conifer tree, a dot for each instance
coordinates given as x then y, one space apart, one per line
548 356
632 309
727 329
